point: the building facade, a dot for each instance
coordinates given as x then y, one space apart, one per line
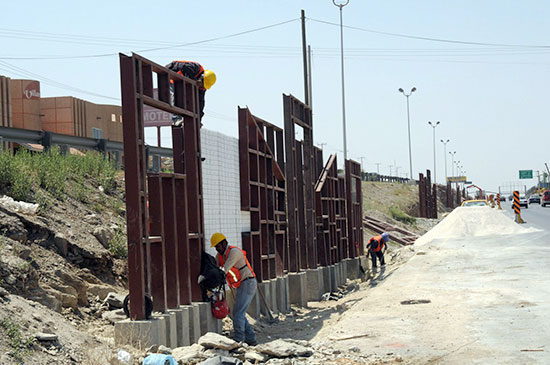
21 106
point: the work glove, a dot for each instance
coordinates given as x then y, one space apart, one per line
200 279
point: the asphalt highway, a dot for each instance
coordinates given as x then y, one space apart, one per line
534 216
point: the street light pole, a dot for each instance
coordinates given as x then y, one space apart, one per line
433 127
445 156
453 162
342 64
409 126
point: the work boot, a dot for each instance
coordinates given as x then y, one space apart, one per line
251 343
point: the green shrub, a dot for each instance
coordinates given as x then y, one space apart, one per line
19 344
117 244
23 173
401 216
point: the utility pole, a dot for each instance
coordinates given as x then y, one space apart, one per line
390 169
304 52
309 89
361 158
397 170
378 167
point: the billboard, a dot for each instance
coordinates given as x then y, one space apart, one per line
153 117
455 179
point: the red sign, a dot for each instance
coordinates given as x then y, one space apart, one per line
32 91
153 117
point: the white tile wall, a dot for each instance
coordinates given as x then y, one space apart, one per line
221 188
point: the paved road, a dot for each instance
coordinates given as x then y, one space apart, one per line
489 303
535 215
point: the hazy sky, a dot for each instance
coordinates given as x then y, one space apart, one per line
491 99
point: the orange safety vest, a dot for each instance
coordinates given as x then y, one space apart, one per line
378 240
234 274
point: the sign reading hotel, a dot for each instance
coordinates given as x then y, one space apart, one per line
32 91
153 117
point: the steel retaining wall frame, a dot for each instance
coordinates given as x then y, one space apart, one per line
164 212
300 176
262 186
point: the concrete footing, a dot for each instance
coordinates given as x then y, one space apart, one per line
325 271
265 287
140 334
282 296
353 268
297 289
315 284
170 329
194 323
182 325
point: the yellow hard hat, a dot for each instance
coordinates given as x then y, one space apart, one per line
209 79
216 238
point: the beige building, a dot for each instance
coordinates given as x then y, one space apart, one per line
21 106
69 115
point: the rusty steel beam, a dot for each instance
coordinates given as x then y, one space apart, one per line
262 194
354 206
300 180
164 251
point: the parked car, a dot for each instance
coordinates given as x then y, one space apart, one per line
545 198
474 203
502 198
534 198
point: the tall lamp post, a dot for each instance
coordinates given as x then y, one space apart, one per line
452 162
445 156
409 126
433 125
341 5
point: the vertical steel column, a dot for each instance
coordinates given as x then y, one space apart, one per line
134 172
158 248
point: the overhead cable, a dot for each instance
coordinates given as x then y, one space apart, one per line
431 38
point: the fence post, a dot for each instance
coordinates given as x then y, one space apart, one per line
47 140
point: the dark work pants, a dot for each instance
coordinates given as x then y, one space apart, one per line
374 255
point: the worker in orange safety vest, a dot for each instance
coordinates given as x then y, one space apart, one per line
239 275
376 248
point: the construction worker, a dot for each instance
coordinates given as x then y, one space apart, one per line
239 275
376 248
194 71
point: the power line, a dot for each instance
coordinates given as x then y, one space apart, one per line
168 47
430 38
47 81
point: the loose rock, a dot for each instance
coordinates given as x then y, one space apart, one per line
282 348
217 341
41 336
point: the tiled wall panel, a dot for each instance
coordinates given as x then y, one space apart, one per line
221 188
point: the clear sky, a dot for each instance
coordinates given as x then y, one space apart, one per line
491 100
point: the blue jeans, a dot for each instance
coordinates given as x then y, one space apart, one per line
243 329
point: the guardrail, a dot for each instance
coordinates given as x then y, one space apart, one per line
48 139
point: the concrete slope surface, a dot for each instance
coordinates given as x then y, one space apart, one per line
480 295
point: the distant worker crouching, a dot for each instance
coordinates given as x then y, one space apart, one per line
239 275
376 248
194 71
